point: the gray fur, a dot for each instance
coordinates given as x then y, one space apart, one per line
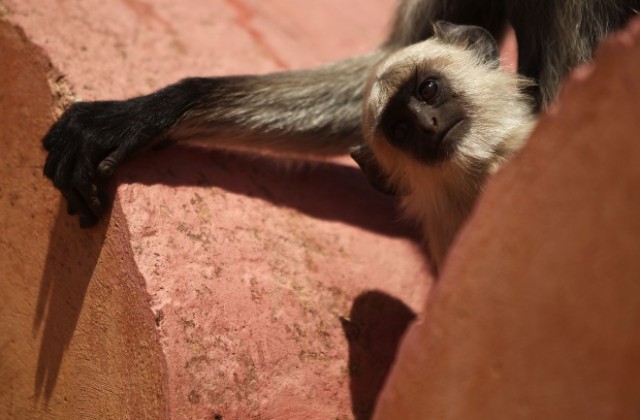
313 111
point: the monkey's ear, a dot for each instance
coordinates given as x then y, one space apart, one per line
474 38
371 169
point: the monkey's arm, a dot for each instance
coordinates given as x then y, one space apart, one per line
314 111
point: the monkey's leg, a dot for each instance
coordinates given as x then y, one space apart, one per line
310 111
414 19
556 36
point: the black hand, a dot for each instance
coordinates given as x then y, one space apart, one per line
91 139
88 140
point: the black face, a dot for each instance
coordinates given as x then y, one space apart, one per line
425 119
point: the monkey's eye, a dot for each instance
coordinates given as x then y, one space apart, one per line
428 90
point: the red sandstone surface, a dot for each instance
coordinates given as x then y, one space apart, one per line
230 287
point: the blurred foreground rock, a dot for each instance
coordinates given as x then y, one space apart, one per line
537 312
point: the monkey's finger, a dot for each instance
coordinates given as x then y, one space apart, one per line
88 190
87 220
112 161
53 136
74 200
71 209
61 171
51 165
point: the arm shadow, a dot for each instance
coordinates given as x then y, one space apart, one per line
323 190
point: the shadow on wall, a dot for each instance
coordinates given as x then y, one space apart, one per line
376 324
323 190
71 261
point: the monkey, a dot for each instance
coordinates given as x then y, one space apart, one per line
439 117
309 112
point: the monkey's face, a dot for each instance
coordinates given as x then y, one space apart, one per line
441 108
426 117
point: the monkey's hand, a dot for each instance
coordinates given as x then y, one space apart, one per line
91 139
87 144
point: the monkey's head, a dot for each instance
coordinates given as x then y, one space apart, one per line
440 106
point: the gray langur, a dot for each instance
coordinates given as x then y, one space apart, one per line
439 117
308 112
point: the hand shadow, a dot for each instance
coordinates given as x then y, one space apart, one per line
71 261
374 329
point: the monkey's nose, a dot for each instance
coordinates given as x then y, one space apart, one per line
427 123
